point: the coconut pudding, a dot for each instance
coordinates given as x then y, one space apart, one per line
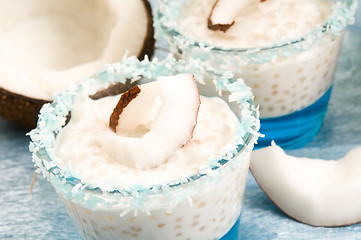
167 159
47 45
285 50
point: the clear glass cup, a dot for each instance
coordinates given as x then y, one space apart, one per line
206 205
291 80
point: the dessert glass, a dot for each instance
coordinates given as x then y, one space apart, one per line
206 205
291 80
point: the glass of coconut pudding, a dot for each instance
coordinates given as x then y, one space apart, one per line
285 50
150 150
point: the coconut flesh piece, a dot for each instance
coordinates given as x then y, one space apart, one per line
47 45
157 121
224 13
313 191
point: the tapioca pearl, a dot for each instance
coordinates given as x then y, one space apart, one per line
257 75
325 74
196 217
303 97
270 109
195 223
132 219
299 70
274 86
254 86
153 218
202 228
179 220
135 229
222 219
134 235
286 92
223 211
111 228
326 61
302 79
280 101
255 68
266 99
202 205
177 227
179 234
318 66
283 108
331 64
274 93
306 88
160 225
311 98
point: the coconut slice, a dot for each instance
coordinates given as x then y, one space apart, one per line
313 191
224 13
155 120
47 45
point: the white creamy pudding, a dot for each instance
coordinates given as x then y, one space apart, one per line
256 23
95 163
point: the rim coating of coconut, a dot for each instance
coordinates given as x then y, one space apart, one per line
53 117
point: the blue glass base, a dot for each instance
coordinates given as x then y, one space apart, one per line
297 129
233 234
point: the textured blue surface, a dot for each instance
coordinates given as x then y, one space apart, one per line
41 215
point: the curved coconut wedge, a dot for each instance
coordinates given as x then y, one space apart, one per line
224 13
313 191
155 120
47 45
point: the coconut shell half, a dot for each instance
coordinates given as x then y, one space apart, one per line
22 108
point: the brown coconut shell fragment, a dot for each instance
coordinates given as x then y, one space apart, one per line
19 109
23 109
123 102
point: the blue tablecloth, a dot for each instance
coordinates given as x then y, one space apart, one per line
41 215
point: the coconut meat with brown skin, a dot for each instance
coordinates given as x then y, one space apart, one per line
158 121
313 191
224 13
47 45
